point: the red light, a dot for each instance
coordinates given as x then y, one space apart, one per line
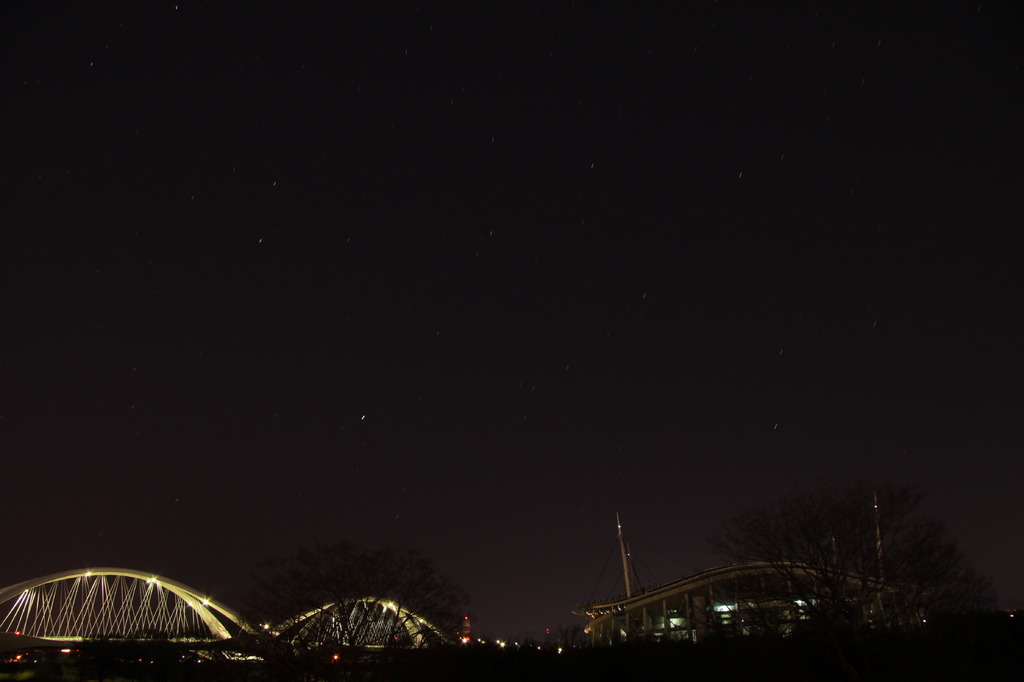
17 632
465 618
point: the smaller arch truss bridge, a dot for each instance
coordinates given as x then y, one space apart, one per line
115 603
368 622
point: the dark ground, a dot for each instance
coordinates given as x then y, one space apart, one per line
977 647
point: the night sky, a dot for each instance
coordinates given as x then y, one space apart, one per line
474 277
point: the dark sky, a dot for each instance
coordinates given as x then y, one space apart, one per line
474 277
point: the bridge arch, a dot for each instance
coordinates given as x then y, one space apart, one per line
112 602
367 622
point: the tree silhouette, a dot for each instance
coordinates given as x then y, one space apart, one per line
326 610
843 560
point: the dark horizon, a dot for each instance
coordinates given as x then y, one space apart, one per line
473 280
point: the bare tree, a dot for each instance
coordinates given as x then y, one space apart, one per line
569 636
327 609
841 560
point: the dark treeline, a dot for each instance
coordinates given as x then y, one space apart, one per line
972 647
969 647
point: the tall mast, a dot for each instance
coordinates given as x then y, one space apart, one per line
878 539
626 576
878 548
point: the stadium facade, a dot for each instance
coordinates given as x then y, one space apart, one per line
738 599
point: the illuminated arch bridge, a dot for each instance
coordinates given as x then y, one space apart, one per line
118 603
121 603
